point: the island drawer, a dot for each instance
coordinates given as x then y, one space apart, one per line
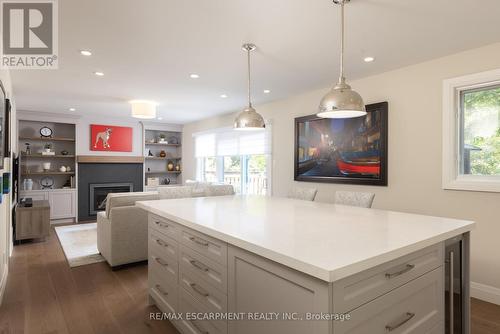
212 248
164 226
211 271
165 294
164 268
189 305
163 245
358 289
213 299
414 308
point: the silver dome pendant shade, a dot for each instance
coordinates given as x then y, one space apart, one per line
341 101
249 118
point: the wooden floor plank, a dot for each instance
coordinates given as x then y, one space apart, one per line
44 295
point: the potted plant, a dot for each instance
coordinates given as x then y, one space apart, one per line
47 147
161 138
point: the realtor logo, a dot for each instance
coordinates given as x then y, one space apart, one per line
29 34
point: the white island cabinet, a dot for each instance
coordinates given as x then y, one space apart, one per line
250 264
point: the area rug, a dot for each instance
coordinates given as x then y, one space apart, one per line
79 243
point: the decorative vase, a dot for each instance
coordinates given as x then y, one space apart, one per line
28 184
46 166
178 167
163 154
170 166
62 169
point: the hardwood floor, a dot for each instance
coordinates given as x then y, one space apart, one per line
485 317
44 295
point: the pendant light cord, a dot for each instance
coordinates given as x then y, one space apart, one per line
249 88
341 77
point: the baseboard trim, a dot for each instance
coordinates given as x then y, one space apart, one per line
485 292
3 283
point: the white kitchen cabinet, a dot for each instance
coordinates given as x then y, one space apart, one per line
62 201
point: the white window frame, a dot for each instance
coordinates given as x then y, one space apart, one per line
452 88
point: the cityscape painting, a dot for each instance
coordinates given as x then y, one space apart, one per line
343 150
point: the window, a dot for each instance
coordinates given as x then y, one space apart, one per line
236 158
471 124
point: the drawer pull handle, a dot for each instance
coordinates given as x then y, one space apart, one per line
406 269
161 224
199 241
158 287
161 243
199 290
160 261
198 328
199 265
407 317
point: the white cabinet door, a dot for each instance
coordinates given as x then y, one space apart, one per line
62 204
259 286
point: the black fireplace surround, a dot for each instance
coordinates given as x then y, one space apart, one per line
111 177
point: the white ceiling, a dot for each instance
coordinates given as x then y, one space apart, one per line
147 49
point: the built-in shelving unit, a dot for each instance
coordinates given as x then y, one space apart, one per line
155 165
47 173
47 139
41 156
63 149
62 195
161 144
161 158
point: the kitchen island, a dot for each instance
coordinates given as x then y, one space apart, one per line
277 265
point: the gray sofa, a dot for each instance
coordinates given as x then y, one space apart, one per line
122 230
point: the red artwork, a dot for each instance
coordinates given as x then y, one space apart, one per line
110 138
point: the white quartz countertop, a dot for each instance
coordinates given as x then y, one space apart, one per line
323 240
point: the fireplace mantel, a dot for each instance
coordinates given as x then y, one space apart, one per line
107 159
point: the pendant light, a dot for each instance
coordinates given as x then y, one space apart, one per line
249 119
143 109
341 101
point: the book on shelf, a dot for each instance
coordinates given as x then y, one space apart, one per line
48 153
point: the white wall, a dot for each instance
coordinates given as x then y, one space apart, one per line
5 206
415 98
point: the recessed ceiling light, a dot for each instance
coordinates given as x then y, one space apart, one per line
99 74
85 53
267 91
194 76
369 59
72 109
223 96
159 118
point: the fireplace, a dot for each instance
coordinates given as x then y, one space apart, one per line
97 179
99 191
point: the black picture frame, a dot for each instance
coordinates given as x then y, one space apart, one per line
3 124
382 178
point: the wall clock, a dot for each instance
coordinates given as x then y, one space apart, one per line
46 132
47 183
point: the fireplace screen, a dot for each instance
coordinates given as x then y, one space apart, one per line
99 192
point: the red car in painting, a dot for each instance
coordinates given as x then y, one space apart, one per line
364 163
